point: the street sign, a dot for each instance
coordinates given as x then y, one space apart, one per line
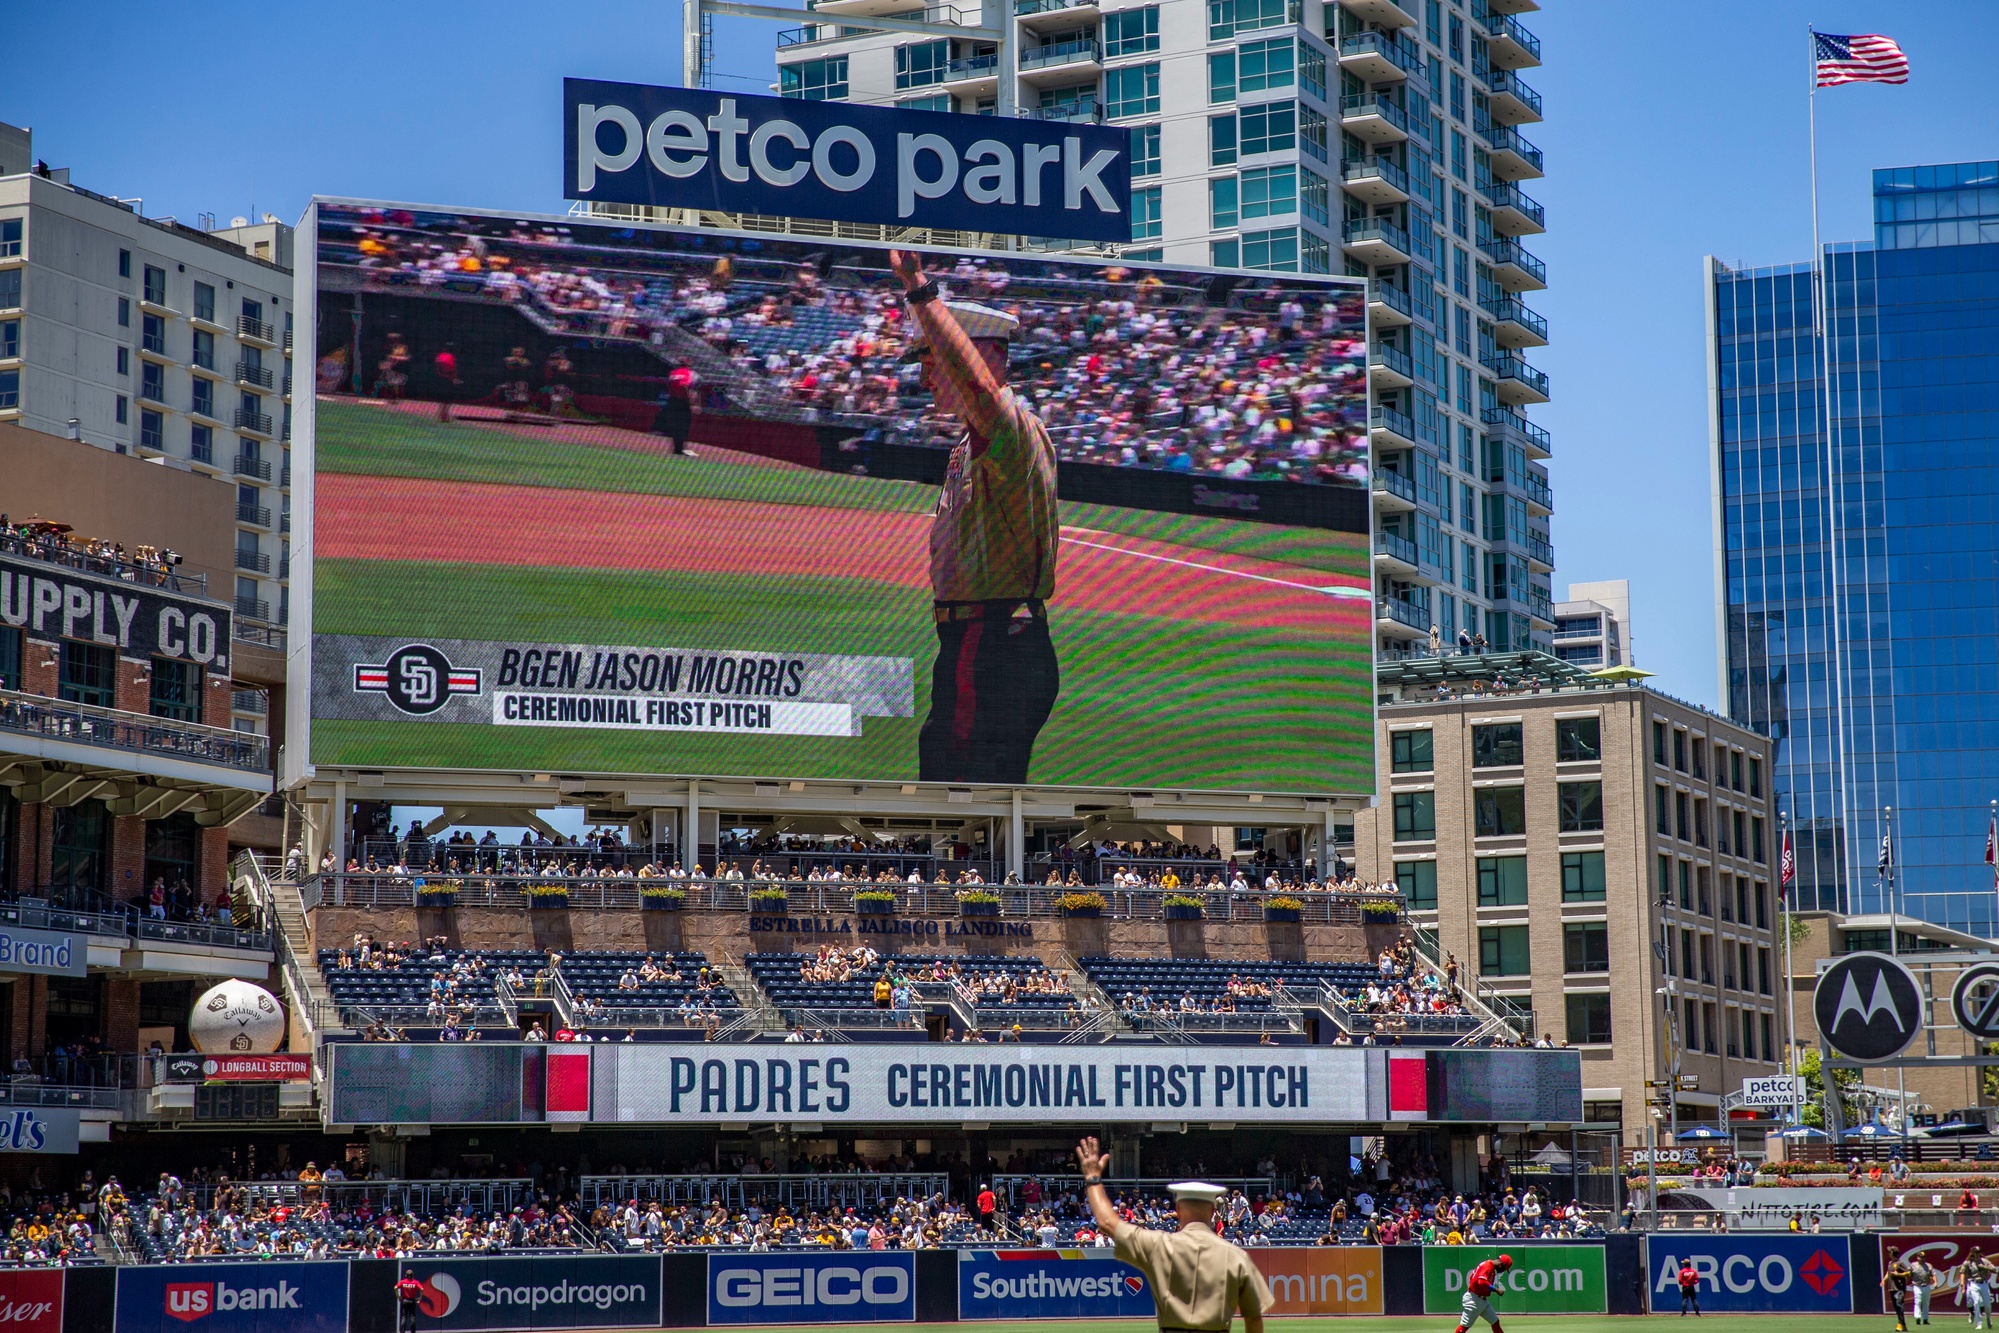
1975 1000
1689 1082
1868 1006
1773 1090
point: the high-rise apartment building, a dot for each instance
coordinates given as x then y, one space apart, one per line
1857 589
1379 138
153 338
1593 627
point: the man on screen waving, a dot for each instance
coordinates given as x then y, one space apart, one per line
992 547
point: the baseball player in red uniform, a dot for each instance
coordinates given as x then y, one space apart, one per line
1478 1293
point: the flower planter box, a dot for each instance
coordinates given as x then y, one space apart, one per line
662 902
1180 912
547 902
978 909
769 902
436 898
1284 914
874 906
1081 913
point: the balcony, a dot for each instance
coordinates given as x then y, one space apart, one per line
253 608
1034 13
1511 101
256 330
255 562
257 516
1513 324
1512 266
1512 428
1388 13
254 702
1516 381
1513 213
1072 113
1066 59
285 562
1376 241
1396 492
1532 487
1374 180
1508 45
257 423
1400 618
1398 553
1391 428
249 466
1513 158
973 71
1376 57
1388 305
254 376
109 740
1389 367
1373 120
288 342
1542 554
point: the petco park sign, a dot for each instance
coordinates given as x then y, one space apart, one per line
631 143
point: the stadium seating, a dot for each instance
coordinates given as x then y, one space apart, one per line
778 975
1206 979
590 974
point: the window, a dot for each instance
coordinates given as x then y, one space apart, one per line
1687 886
1762 906
1743 955
1224 203
1225 254
10 339
1658 742
10 238
204 302
1683 825
1502 881
202 399
1271 251
1495 745
121 409
1687 968
1701 890
10 388
122 359
1269 192
814 80
1502 951
124 263
1578 739
1582 807
156 285
1721 764
1415 816
1221 141
88 674
1500 812
1699 748
1680 750
153 381
173 850
153 334
10 663
1588 1017
921 63
201 444
1756 840
1586 946
1582 877
1738 820
940 102
1271 128
1226 18
124 308
1131 32
1221 77
1707 959
176 690
152 431
81 847
1132 90
1769 1047
1144 150
1707 1029
1418 882
1145 214
1261 66
1411 751
1755 777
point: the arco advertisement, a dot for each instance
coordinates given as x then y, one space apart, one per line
1755 1274
1546 1279
852 1287
553 1292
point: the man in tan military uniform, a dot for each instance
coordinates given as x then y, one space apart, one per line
992 547
1198 1279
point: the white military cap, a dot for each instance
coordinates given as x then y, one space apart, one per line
978 322
1196 1191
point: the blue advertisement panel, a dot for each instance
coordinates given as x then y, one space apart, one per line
1049 1284
633 143
553 1291
850 1287
1750 1273
276 1297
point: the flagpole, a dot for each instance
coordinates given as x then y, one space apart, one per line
1784 893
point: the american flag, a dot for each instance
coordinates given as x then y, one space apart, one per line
1866 57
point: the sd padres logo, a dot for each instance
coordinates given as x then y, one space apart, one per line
418 679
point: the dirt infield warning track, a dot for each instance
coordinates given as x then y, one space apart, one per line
469 523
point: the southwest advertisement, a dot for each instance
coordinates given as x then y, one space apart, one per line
273 1297
632 500
1546 1279
1049 1284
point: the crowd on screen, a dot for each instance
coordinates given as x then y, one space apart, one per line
1125 366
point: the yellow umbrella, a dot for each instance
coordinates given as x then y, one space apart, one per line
1622 673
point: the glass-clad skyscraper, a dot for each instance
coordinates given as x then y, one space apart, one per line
1857 566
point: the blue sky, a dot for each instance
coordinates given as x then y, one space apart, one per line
1672 132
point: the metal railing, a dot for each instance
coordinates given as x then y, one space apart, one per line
972 67
1504 25
1356 106
795 1190
248 373
255 562
1391 358
1402 612
1024 8
1083 113
1400 54
1362 230
1513 368
1390 544
1009 1186
39 914
1504 250
246 327
203 933
1374 168
1389 418
1510 309
1505 81
56 551
249 465
1061 53
1505 194
87 724
258 422
1394 483
1501 420
1506 139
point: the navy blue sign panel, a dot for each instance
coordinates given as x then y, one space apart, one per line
546 1291
629 143
840 1287
275 1297
1762 1274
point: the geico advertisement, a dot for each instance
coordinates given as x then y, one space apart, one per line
276 1297
553 1292
1545 1279
1322 1280
1765 1274
843 1287
1049 1284
884 1084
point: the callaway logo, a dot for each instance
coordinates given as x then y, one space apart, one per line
1821 1272
418 679
1879 1002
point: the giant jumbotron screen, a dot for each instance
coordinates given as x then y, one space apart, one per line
639 500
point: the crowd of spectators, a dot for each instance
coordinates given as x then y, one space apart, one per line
41 538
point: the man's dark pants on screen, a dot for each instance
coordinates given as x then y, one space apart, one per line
991 690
